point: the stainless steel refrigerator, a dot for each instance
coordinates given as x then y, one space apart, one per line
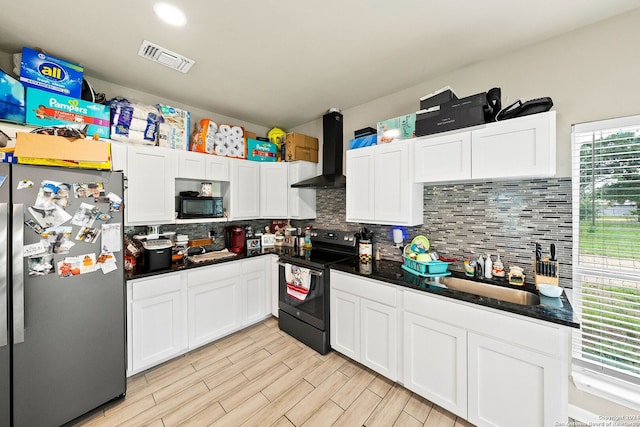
62 293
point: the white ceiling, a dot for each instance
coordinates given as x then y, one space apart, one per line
285 62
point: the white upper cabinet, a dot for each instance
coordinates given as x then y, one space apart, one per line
191 164
274 180
150 195
443 158
302 201
523 147
245 189
218 168
380 188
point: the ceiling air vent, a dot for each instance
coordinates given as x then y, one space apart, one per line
163 56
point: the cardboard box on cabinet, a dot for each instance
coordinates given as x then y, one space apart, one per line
301 147
12 105
261 151
397 128
37 149
49 109
48 73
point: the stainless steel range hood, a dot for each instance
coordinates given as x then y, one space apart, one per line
332 176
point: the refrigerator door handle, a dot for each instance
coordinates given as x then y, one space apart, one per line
18 273
4 318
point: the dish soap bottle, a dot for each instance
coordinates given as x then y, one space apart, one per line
488 267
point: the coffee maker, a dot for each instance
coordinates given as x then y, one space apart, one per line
234 238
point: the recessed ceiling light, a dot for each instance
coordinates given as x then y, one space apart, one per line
170 14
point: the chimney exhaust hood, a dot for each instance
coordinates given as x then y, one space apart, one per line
332 176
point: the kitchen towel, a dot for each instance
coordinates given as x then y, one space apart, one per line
298 281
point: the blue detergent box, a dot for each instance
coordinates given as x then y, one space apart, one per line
49 73
49 109
365 141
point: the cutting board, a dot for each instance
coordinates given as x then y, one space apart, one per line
211 256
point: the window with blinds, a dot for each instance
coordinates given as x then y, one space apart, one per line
606 250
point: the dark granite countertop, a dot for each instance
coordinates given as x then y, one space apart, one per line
555 310
186 265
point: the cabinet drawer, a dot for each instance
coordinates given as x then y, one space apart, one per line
154 286
372 290
521 331
251 265
199 276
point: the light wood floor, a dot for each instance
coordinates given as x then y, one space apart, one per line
261 376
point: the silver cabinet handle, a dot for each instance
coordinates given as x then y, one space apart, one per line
4 318
18 273
313 272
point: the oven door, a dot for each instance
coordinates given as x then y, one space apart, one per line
314 309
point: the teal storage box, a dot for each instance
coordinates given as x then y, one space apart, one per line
48 109
403 127
365 141
11 99
261 151
46 72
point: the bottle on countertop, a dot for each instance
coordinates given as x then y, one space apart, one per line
488 267
480 267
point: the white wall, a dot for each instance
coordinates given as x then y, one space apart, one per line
591 74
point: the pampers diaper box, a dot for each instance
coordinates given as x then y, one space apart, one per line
48 109
49 73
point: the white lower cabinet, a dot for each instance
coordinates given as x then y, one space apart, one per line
490 368
435 362
157 327
510 385
255 290
364 328
275 277
215 302
172 313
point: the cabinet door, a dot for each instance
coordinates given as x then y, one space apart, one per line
378 348
215 309
274 194
345 323
157 327
509 385
360 185
150 195
435 362
119 156
218 168
245 189
254 286
191 165
522 147
302 201
391 183
274 276
443 158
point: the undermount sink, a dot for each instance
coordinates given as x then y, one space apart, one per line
515 296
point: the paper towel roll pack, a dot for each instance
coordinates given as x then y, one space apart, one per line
222 140
133 122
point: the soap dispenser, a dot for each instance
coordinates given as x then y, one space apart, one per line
488 267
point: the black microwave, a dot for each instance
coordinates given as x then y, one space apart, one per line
190 207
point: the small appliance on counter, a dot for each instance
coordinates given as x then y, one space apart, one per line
157 254
234 238
190 205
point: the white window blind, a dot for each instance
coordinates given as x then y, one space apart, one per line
606 249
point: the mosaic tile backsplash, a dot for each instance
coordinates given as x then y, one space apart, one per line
461 220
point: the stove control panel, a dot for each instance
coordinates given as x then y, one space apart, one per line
336 237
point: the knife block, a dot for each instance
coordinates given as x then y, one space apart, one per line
544 276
